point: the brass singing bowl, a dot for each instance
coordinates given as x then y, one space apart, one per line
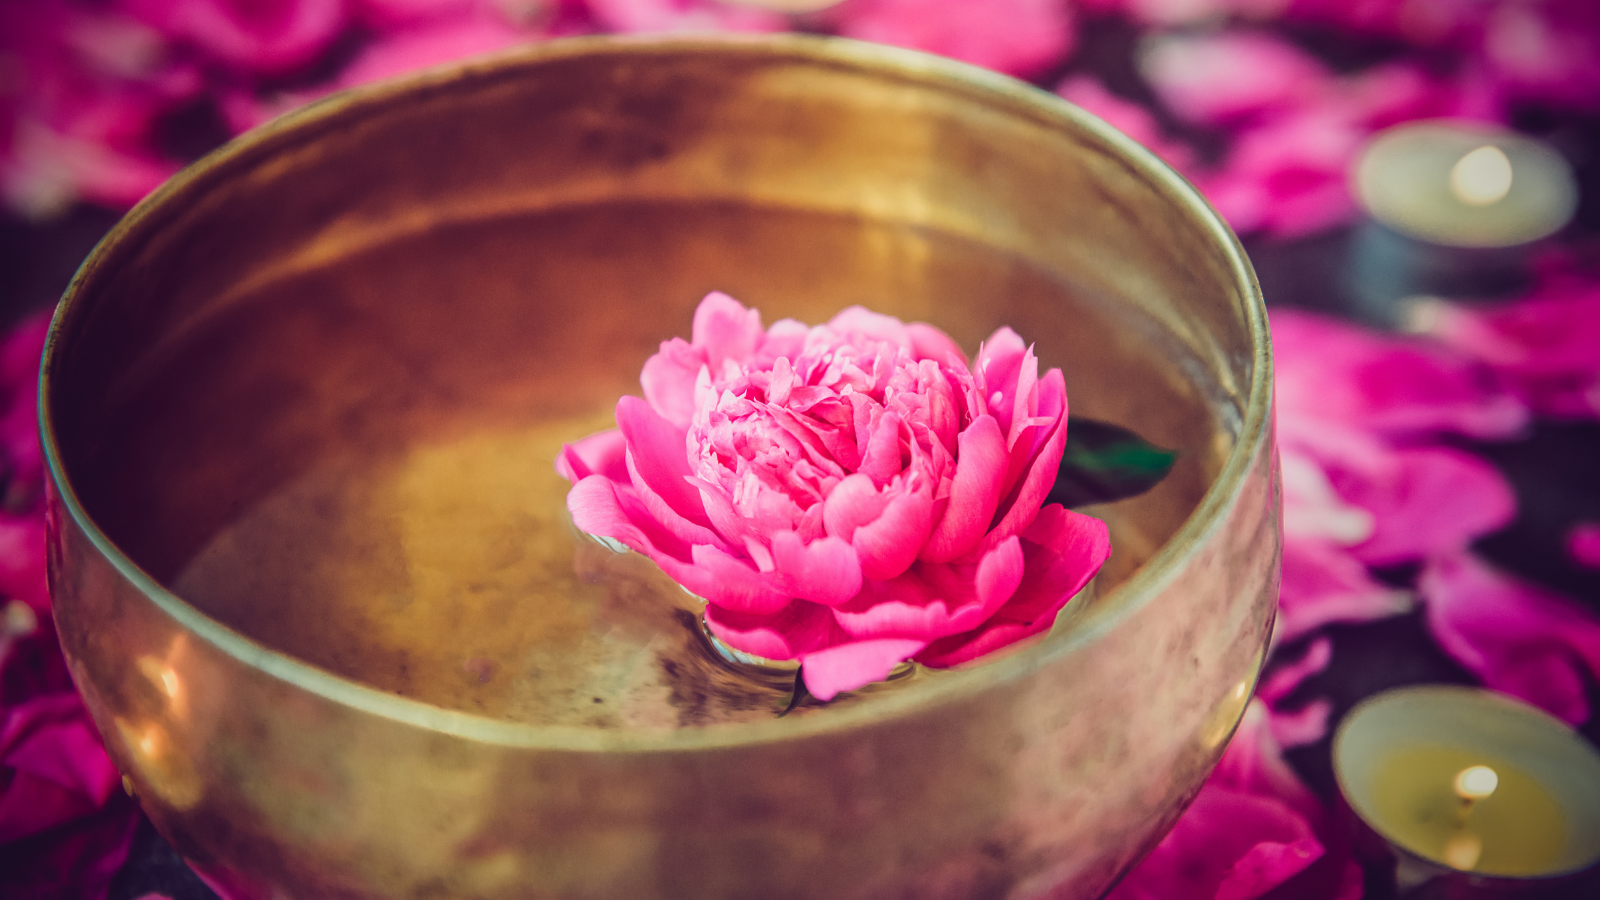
311 563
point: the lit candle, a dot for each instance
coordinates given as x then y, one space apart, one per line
1452 208
1469 785
1465 185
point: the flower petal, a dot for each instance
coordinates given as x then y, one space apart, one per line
825 571
602 507
934 600
1018 511
863 322
995 373
800 627
846 667
889 545
657 454
598 454
1519 638
734 583
928 342
855 501
726 330
974 492
668 379
1062 550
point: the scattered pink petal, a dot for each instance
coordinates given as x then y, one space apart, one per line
637 16
1254 831
397 52
1322 584
1426 501
1583 544
1231 76
1018 37
1299 727
1287 176
1546 51
260 37
1287 677
1128 117
1519 639
1333 373
1546 345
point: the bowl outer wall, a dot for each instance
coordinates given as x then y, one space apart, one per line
1046 773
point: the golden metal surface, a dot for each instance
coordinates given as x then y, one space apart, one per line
310 560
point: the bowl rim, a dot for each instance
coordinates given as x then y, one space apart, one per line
1000 92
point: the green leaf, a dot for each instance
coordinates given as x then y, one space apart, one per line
1104 462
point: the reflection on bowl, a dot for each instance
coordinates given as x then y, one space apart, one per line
311 562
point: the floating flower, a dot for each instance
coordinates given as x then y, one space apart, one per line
850 495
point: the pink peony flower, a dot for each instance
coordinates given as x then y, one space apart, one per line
1018 37
849 495
1583 544
1254 831
1518 638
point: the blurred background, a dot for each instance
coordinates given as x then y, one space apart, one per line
1380 280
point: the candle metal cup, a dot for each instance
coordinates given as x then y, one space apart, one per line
1452 211
1504 743
311 563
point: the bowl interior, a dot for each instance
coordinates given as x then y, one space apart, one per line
318 390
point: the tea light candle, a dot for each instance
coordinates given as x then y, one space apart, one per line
1469 784
1465 185
1451 209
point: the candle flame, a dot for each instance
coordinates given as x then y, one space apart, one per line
1476 782
1481 177
1463 850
